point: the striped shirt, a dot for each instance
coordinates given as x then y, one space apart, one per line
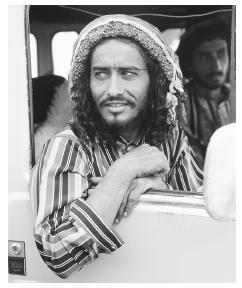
68 232
204 117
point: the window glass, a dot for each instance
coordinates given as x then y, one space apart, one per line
172 37
62 48
33 55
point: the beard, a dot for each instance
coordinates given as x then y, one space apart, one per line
115 126
207 83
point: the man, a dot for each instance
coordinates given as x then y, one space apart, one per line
124 140
204 60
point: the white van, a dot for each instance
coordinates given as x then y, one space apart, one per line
181 243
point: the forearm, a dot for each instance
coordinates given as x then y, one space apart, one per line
68 232
109 193
57 251
140 162
68 242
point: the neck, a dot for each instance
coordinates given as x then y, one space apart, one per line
129 134
204 92
132 130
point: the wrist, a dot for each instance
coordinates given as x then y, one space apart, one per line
121 169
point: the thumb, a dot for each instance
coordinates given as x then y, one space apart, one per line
95 180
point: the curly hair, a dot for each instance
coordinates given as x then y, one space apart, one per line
198 33
88 123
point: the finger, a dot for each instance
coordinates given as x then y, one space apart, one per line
124 202
133 198
158 184
166 167
158 175
131 203
121 209
120 212
95 180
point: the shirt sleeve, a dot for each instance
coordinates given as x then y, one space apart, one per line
185 173
68 232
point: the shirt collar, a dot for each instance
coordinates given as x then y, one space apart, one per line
123 143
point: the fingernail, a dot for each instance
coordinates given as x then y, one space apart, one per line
125 213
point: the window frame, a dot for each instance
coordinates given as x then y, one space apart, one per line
169 202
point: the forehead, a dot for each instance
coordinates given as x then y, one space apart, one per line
211 46
117 52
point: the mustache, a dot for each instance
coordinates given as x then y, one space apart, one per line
219 73
129 101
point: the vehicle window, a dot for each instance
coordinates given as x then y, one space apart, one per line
33 54
62 45
172 37
55 52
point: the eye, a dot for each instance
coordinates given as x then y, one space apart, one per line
221 53
204 57
129 74
101 75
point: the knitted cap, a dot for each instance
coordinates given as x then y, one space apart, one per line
144 34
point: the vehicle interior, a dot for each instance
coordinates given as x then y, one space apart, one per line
54 28
46 21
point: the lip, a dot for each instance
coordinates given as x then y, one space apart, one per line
116 107
116 103
216 76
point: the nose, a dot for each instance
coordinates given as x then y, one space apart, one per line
115 85
216 64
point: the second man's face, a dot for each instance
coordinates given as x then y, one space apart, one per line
119 81
210 63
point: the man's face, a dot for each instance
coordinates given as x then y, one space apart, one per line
119 82
210 63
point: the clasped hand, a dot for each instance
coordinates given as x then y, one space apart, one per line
146 166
